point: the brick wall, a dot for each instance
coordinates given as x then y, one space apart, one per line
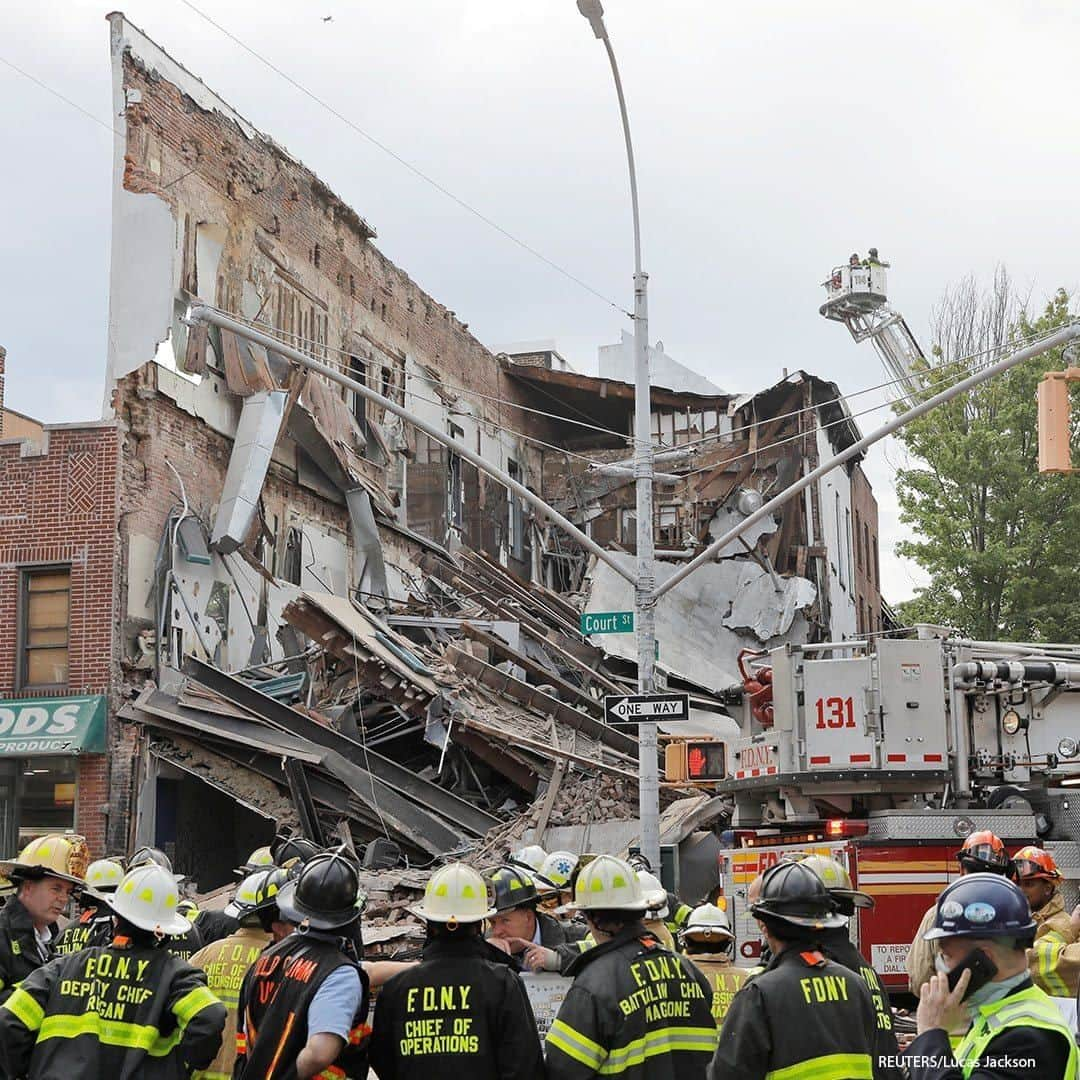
867 564
209 171
60 506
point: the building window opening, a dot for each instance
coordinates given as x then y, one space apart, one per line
517 515
456 494
44 632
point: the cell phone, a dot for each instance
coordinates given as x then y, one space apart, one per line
982 969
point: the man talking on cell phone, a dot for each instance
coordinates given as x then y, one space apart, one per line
983 926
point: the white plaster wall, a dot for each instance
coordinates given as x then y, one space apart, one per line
837 482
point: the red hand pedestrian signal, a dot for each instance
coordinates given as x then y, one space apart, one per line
696 762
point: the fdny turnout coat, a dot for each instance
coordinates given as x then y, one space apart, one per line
94 926
277 992
19 952
636 1011
803 1016
456 1014
226 963
122 1012
838 947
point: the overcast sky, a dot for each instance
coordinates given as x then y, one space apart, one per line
772 140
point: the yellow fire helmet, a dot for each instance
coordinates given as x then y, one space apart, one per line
837 880
54 855
455 894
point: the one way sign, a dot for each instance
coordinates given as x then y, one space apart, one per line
646 708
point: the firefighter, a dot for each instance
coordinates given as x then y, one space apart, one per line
516 920
95 924
804 1015
708 941
635 1009
260 859
555 879
304 1003
183 943
529 858
836 944
1054 959
1015 1029
1039 880
226 962
678 911
981 852
455 1013
46 873
657 911
289 851
127 1009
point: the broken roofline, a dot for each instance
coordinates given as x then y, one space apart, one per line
837 421
839 425
607 388
126 36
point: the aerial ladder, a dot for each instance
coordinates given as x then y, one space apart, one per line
857 297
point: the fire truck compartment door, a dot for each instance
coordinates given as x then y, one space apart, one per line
912 693
835 715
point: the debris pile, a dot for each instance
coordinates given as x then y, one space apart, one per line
430 729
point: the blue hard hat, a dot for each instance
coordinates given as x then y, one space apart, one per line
981 906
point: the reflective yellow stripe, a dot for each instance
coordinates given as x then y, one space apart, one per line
211 1076
662 1041
25 1008
110 1033
1046 952
575 1045
829 1067
193 1003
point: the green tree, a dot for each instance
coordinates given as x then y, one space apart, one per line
998 540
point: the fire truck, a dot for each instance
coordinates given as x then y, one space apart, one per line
886 754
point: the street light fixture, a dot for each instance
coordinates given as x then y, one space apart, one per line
644 598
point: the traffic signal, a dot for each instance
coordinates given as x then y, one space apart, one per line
1055 451
693 760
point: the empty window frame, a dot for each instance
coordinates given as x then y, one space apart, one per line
516 514
455 494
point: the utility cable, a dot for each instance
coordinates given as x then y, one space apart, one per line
498 426
845 398
405 163
56 94
909 397
297 340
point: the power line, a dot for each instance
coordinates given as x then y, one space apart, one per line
56 94
497 425
405 163
909 397
845 398
298 340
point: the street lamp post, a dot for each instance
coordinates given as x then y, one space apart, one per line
644 599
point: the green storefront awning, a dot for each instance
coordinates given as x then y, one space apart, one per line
67 725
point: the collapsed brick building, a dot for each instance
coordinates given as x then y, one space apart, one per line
253 499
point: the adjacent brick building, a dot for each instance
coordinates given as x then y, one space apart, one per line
58 513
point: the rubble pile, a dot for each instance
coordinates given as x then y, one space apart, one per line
432 729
